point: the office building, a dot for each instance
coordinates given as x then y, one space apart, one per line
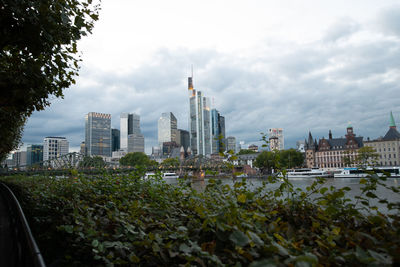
155 151
387 147
167 128
217 131
34 154
276 140
135 143
19 158
199 122
115 140
183 138
129 124
54 147
98 134
231 144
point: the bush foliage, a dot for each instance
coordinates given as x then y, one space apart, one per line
126 220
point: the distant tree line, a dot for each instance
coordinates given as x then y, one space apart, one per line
272 160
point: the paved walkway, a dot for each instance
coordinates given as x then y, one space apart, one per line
7 247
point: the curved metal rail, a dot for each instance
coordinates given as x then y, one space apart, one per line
20 246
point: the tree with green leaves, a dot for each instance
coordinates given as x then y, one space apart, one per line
136 159
170 163
246 151
367 156
94 162
38 58
266 161
291 158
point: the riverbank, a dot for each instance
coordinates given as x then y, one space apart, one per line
125 220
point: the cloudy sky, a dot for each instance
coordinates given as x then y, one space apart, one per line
296 65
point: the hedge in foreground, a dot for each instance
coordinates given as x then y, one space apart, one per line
125 220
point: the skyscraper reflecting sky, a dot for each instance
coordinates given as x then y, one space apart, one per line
167 128
199 121
98 134
129 124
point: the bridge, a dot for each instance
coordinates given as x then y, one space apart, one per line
75 161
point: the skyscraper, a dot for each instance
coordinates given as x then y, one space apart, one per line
129 124
98 134
115 139
199 122
231 144
184 139
167 128
54 147
19 158
135 143
218 131
34 154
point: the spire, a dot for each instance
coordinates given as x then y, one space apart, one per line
392 123
190 83
330 134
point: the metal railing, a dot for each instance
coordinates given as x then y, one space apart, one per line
25 251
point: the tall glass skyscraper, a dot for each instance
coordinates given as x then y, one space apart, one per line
129 124
218 131
115 137
98 134
167 128
34 154
199 122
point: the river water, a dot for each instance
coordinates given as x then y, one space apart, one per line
303 183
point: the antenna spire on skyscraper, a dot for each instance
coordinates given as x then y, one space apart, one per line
190 81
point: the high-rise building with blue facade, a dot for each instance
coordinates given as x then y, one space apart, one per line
217 131
98 134
115 139
34 154
199 121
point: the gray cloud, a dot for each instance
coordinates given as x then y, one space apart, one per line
316 86
388 21
341 29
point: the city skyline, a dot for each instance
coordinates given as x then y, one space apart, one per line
312 67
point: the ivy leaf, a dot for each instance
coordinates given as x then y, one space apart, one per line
95 243
307 258
363 181
255 238
371 195
323 190
336 230
69 229
241 198
239 238
184 248
263 263
281 250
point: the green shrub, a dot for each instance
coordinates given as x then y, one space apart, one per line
126 220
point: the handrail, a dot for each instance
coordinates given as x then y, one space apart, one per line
29 254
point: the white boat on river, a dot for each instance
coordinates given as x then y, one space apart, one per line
307 173
360 173
169 175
